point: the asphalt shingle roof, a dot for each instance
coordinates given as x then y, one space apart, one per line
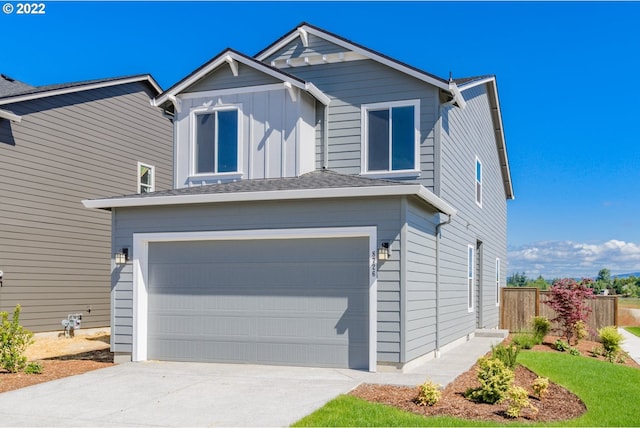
10 86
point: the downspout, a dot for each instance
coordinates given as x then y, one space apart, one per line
325 138
438 227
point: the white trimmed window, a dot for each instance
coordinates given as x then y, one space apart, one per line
478 182
470 276
216 141
146 178
497 281
391 138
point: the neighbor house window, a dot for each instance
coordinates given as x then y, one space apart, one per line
478 182
497 281
216 142
146 178
390 137
470 276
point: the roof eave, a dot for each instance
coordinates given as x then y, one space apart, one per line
80 88
343 192
5 114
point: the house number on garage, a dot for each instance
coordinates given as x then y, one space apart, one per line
373 264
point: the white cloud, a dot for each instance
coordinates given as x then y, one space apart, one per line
555 259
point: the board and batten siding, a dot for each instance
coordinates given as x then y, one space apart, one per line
276 135
465 135
351 84
384 213
55 253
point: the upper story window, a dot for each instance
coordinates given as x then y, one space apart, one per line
146 178
391 137
216 141
478 182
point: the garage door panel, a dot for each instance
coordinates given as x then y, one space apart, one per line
299 301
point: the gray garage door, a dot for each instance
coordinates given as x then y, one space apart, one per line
290 302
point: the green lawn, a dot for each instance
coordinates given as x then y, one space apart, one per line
610 392
633 330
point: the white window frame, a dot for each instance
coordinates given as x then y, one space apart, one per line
478 183
152 186
497 281
364 146
192 127
471 276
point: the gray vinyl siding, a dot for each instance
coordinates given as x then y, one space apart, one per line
223 78
295 49
353 83
466 134
55 254
420 282
384 213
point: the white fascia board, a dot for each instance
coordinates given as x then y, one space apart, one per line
463 87
4 114
344 192
225 57
502 142
81 88
365 52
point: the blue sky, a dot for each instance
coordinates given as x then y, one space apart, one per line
567 78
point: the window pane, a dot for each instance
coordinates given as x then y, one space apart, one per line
228 141
145 175
205 142
403 138
478 171
378 131
470 262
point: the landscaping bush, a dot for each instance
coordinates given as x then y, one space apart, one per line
14 340
561 345
541 327
518 399
495 380
581 331
506 353
611 339
524 340
567 298
574 351
540 387
33 368
429 394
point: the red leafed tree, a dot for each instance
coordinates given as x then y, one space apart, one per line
568 298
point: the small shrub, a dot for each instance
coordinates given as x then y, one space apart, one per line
495 380
580 328
429 394
541 327
518 398
597 351
524 340
540 387
33 368
610 338
506 353
574 351
14 340
561 345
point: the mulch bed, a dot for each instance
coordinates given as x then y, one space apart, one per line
558 405
56 368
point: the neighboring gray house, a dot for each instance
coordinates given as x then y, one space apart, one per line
61 144
331 207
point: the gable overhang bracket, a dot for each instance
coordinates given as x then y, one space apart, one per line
304 36
4 114
293 93
233 64
458 99
177 102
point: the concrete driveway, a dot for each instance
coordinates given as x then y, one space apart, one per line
200 394
177 395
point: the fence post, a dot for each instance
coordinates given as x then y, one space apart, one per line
537 302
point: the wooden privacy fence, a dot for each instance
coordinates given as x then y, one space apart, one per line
518 305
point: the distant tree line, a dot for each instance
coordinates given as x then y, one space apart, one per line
628 286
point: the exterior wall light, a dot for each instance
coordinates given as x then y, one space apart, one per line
384 252
122 256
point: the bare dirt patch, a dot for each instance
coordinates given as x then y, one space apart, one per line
558 405
61 357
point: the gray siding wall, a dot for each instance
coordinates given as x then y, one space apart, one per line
351 84
466 134
223 78
55 253
385 213
420 283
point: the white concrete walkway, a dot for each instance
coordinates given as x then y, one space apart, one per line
631 344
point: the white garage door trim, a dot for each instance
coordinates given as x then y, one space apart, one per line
141 270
